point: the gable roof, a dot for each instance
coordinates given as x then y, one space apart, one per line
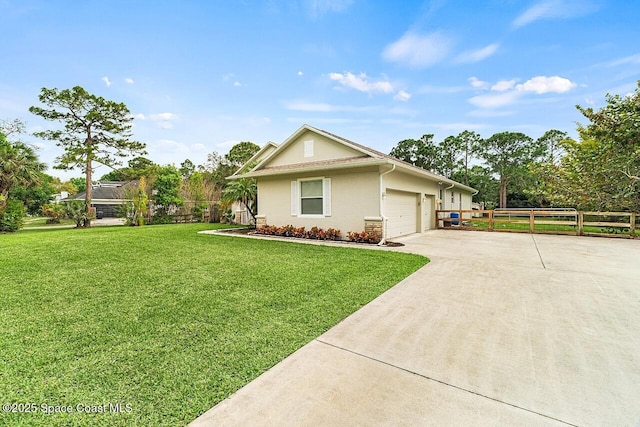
370 157
260 155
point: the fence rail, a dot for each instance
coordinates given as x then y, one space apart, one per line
550 221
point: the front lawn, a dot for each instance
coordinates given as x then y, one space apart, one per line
41 221
162 321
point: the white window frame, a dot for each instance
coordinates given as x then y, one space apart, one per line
326 197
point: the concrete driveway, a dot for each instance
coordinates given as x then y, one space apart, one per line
499 329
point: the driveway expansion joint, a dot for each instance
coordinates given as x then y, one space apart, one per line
538 250
442 382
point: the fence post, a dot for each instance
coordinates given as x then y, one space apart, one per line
580 223
632 225
491 220
532 226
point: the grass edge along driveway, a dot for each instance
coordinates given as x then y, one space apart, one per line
154 325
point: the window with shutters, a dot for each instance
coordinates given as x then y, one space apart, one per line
311 197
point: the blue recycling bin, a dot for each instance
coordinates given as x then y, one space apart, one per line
455 221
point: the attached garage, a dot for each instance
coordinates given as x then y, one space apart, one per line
402 213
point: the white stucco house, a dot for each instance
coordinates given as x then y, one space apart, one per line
316 178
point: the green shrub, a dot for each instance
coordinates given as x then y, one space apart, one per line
315 233
12 217
54 213
363 237
77 211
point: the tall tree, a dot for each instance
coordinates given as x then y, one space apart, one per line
187 168
617 127
482 180
166 189
422 152
19 166
450 158
468 143
241 153
80 184
245 191
507 155
95 130
551 141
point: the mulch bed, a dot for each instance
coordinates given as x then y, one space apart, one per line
252 231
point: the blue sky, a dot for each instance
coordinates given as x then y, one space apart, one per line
200 76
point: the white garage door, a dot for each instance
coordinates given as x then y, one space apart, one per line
401 210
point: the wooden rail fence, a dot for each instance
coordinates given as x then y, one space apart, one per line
553 221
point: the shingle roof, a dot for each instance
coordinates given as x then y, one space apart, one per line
374 157
351 161
113 190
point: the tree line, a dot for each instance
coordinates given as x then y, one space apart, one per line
600 171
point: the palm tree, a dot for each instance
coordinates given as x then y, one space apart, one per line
19 165
245 191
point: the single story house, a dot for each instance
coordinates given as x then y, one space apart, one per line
316 178
107 197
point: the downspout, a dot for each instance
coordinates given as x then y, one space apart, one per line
445 195
384 218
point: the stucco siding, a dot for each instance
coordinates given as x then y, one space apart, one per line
354 196
323 149
428 193
404 182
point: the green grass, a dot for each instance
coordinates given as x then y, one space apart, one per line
163 319
41 221
504 224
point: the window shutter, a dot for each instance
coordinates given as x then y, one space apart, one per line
327 196
294 198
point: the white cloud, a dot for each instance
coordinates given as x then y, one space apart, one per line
475 82
106 81
495 100
228 76
509 92
163 116
402 96
237 84
543 84
198 147
550 9
163 120
129 80
300 73
140 116
361 83
168 145
478 54
503 85
418 50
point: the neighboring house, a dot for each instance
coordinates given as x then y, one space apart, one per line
107 196
316 178
239 210
56 198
